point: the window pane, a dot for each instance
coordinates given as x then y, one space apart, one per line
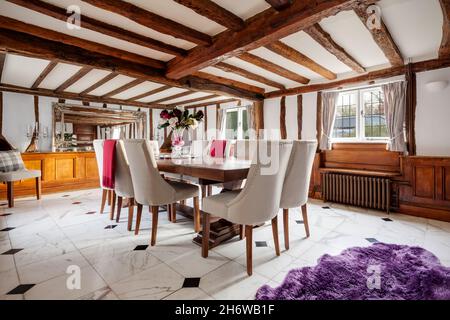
231 125
374 118
245 124
345 122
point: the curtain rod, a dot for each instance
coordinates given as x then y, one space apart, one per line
364 87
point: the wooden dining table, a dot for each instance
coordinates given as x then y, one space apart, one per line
207 172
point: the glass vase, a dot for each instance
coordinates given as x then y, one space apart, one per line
177 142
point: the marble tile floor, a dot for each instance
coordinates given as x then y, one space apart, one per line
41 242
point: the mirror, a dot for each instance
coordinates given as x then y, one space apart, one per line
76 127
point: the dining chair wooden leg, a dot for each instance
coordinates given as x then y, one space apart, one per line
241 232
138 218
286 228
209 193
10 193
196 215
305 219
249 245
119 208
109 197
38 188
205 235
155 210
275 235
104 196
174 213
130 213
203 188
113 205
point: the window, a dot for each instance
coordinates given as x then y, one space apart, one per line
360 116
236 126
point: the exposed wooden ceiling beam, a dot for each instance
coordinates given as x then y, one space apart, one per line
211 103
52 64
290 53
260 30
48 34
172 97
152 20
324 39
229 82
77 76
101 27
382 37
181 103
75 96
123 88
280 4
214 12
149 93
272 67
2 64
22 43
371 76
247 74
99 83
444 50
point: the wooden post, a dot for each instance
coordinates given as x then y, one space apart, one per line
258 115
217 120
32 147
151 123
206 123
410 117
319 119
283 132
299 116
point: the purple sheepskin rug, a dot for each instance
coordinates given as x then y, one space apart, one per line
379 272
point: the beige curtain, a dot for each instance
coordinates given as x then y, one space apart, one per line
395 110
329 100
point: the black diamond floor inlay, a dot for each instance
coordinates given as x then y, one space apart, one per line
261 244
7 229
191 282
91 212
21 289
387 219
141 247
11 251
5 214
111 226
326 207
299 221
76 202
372 240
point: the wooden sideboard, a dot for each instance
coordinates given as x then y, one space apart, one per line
61 171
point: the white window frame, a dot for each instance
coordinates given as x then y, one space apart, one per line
240 131
360 123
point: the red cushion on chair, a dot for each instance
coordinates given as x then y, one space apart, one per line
109 152
218 148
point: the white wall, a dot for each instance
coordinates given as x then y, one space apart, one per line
272 117
433 115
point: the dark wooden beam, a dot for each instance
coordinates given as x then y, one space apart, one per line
324 39
444 50
149 93
272 67
44 73
152 20
290 53
37 47
2 64
48 34
77 76
260 30
99 83
299 116
280 4
382 37
368 77
230 82
214 12
74 96
205 104
172 97
247 74
283 132
100 27
181 103
123 88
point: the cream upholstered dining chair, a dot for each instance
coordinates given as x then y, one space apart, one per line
258 202
107 194
296 183
151 189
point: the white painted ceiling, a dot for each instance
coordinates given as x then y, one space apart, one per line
88 80
22 71
58 75
111 85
